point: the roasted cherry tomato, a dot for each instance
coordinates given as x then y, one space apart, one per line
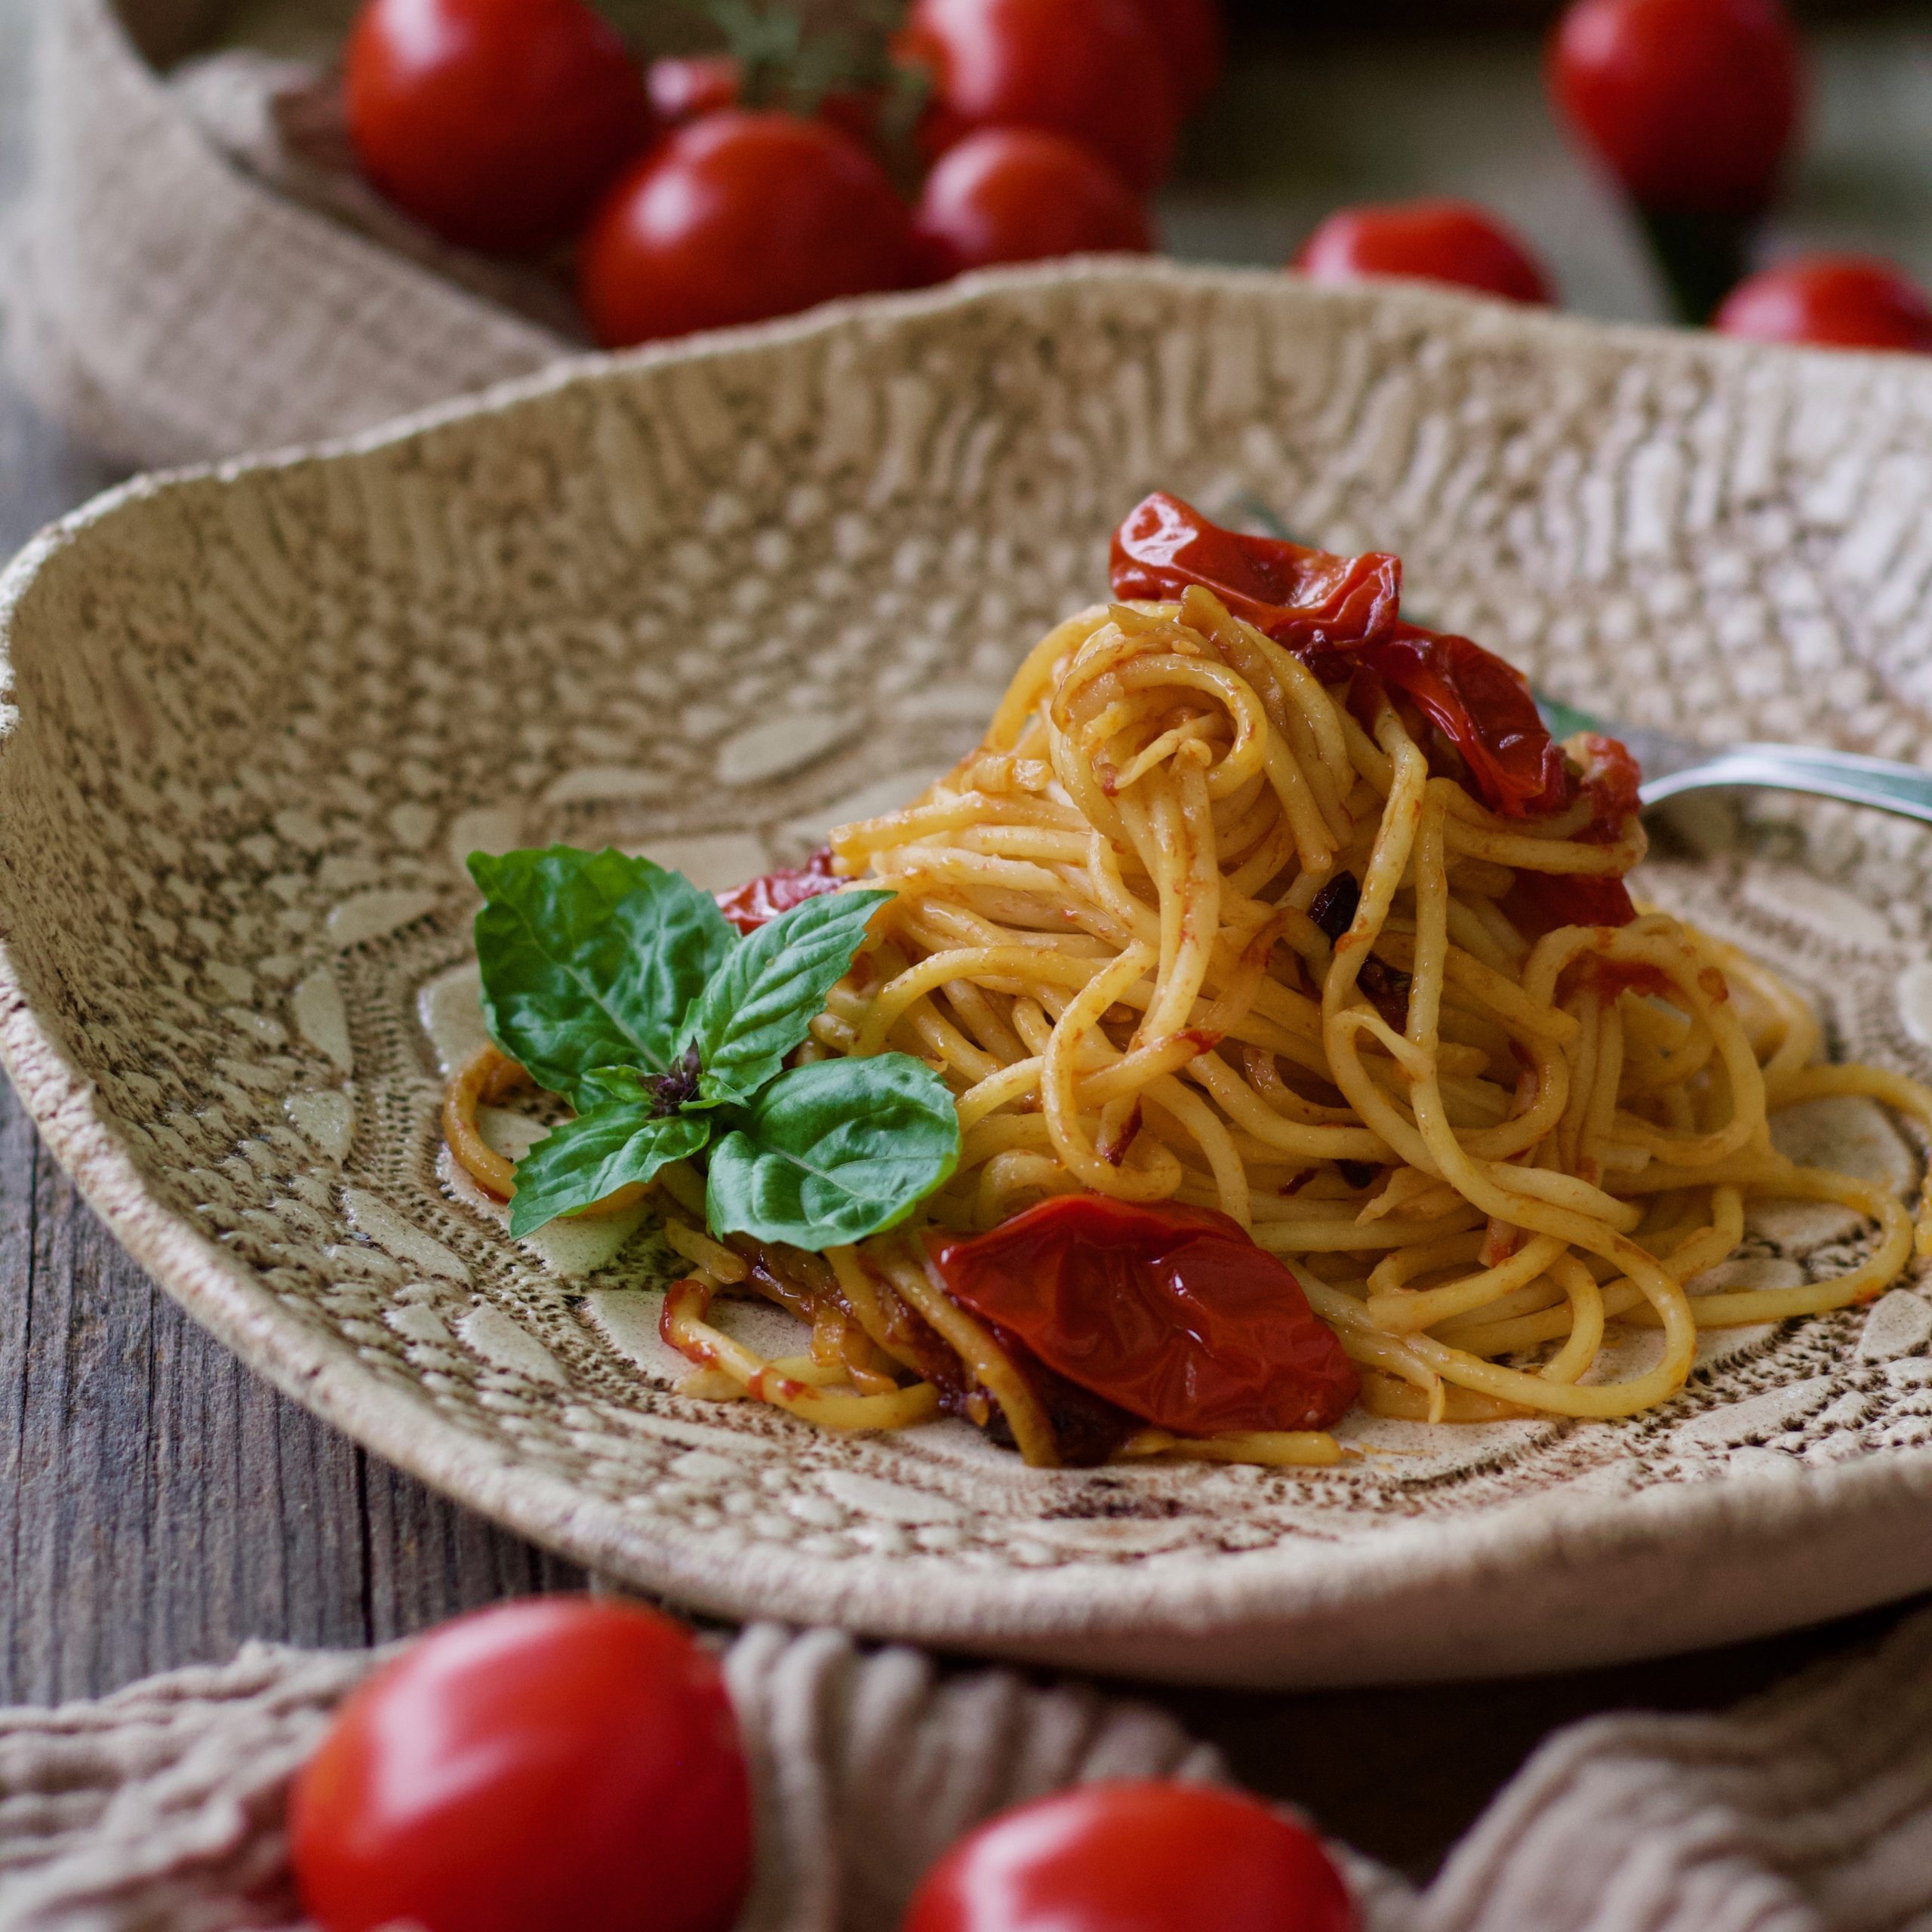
1692 103
553 1763
759 901
1613 782
1844 301
497 123
1312 601
737 218
1193 36
1539 903
1022 194
1425 240
1481 704
1090 69
1171 1313
1136 1858
1341 615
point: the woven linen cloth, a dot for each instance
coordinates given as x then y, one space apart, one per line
168 303
1809 1809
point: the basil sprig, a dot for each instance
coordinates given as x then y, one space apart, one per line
621 985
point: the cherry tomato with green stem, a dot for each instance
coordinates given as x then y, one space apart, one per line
1430 240
558 1762
1693 106
495 123
1840 301
1020 194
1090 69
1136 1858
738 218
1692 103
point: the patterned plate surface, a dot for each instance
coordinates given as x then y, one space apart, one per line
704 603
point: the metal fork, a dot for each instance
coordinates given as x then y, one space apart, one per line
1673 766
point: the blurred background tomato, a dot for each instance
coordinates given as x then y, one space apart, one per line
1629 159
1828 148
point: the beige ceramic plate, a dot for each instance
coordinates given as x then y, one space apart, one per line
705 603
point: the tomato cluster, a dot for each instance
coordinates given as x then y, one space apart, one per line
690 197
521 127
563 1763
1692 107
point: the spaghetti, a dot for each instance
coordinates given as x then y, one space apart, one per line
1256 902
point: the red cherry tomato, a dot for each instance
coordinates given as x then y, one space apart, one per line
759 901
737 218
1425 240
1845 301
688 87
1136 1858
1692 103
1091 69
1020 194
497 123
553 1763
1193 35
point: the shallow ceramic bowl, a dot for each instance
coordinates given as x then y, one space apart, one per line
704 603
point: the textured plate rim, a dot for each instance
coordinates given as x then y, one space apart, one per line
1326 1601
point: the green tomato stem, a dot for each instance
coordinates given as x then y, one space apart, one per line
1702 258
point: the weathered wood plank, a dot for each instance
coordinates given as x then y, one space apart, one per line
80 1538
158 1504
428 1560
18 1143
165 1504
252 1507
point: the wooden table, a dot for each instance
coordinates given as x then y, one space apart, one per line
159 1505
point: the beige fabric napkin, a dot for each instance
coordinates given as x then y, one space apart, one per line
167 302
158 1810
1808 1810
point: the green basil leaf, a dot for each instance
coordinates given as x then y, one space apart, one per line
592 959
603 1083
762 1005
610 1147
834 1151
